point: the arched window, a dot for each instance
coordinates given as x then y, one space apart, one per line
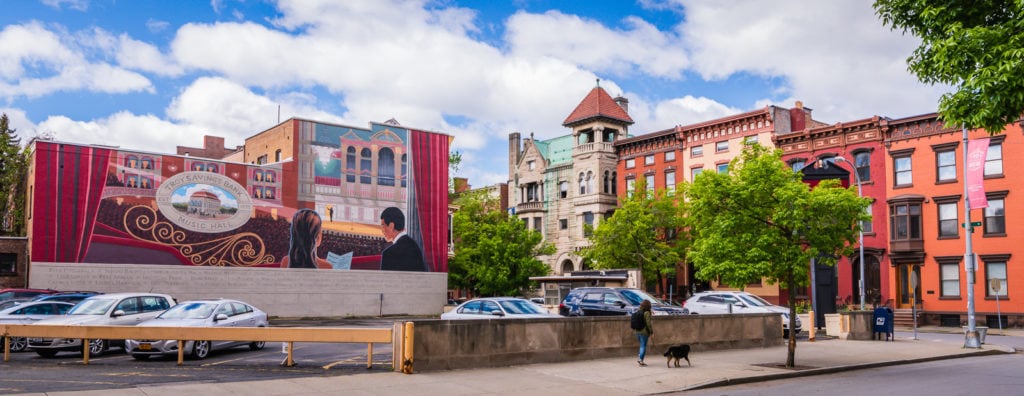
615 186
365 166
131 161
863 163
405 162
590 182
567 266
350 165
607 187
583 185
386 167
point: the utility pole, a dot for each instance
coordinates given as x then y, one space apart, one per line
971 338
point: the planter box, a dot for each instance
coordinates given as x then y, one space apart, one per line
833 325
856 325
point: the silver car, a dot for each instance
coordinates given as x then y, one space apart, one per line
114 309
200 313
725 302
30 312
498 308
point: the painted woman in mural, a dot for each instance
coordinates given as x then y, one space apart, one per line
305 237
404 254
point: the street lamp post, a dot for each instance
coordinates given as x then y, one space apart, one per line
860 262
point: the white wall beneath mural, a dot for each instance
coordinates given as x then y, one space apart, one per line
279 292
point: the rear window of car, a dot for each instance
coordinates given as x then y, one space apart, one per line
472 307
520 307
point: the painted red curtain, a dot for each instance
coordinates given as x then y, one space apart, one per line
428 223
68 186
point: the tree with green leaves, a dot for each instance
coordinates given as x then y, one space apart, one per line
13 171
495 254
760 221
975 46
643 233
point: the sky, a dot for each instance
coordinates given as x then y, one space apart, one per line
151 75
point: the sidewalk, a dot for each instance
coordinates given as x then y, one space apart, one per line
615 376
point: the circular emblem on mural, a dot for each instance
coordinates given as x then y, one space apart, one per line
204 202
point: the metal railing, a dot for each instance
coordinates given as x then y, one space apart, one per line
397 336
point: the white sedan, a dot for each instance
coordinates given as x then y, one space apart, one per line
498 308
30 312
200 313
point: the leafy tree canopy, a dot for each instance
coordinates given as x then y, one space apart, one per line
760 221
643 233
495 254
975 46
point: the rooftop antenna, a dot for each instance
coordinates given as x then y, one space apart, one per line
599 83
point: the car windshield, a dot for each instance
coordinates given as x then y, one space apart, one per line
6 295
98 306
193 310
635 297
753 301
520 307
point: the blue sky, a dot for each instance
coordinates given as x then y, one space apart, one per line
152 75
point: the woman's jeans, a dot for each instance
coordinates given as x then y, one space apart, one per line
643 344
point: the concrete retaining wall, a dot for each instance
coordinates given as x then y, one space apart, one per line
457 344
280 292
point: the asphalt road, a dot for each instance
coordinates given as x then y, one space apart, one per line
28 372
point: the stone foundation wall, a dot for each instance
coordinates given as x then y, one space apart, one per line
457 344
280 292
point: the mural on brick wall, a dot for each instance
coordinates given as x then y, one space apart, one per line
376 209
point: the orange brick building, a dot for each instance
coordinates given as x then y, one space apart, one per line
925 202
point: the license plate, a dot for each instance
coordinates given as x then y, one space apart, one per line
145 346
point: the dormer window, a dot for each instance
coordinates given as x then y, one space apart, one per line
531 165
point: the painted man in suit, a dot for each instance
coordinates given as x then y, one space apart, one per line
404 254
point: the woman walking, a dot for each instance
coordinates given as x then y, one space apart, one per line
644 334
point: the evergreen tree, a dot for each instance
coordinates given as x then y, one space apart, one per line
13 171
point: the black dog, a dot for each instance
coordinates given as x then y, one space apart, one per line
677 352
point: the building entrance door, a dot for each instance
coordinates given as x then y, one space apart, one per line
904 297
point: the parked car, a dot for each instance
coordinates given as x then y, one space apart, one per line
29 312
12 302
200 313
607 301
71 296
497 308
7 294
719 302
115 309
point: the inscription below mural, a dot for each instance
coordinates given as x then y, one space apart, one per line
204 202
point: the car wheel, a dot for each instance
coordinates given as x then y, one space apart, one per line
138 356
18 344
97 347
200 349
257 345
46 353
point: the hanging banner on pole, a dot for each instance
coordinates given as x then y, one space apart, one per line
975 172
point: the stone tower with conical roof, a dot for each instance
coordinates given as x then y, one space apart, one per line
556 186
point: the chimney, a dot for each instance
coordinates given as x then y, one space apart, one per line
798 116
622 102
461 184
515 147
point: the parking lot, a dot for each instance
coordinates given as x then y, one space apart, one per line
29 372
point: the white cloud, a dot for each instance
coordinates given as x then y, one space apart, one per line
224 108
55 66
77 5
139 55
19 121
156 25
836 57
591 45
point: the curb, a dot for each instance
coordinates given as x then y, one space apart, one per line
835 369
